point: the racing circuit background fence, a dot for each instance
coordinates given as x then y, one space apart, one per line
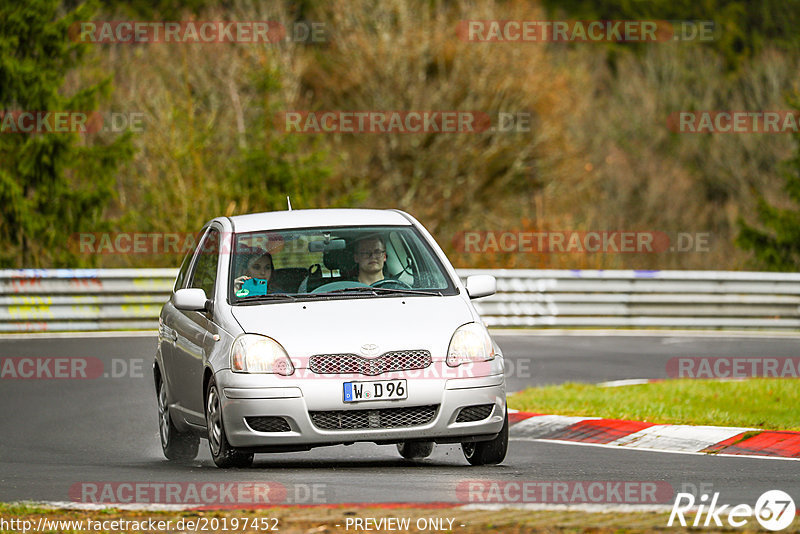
130 299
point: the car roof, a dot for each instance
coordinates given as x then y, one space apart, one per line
277 220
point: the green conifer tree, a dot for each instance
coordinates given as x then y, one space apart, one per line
776 245
52 185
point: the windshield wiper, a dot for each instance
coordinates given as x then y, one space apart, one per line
381 291
261 298
402 291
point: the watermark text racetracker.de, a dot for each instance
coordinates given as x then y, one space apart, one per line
177 243
203 32
401 122
564 491
732 121
601 241
199 494
144 524
585 31
69 368
733 367
518 368
62 122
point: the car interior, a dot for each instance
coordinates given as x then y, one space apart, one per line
305 263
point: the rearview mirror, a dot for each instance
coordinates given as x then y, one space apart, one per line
481 285
192 299
322 246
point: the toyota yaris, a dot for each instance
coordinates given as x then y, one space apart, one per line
299 329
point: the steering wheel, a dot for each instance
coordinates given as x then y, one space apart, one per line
399 284
338 285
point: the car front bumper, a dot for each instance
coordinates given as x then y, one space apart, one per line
293 398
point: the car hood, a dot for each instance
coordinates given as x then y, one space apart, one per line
365 326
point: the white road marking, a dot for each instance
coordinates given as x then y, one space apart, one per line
667 333
541 425
678 437
622 448
625 382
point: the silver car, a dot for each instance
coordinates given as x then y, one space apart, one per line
299 329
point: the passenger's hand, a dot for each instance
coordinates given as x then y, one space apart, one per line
237 282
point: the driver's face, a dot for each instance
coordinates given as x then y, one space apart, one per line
370 256
260 268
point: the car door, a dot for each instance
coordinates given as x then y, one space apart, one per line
166 325
191 332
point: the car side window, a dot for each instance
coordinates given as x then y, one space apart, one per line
187 261
182 272
204 275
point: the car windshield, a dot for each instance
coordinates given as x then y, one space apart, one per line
335 262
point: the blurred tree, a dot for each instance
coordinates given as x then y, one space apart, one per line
52 185
159 9
178 9
742 27
776 246
271 165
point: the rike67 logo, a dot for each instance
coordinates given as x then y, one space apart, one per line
774 510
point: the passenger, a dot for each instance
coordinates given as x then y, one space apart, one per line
370 256
259 265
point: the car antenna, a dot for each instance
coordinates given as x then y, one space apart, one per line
289 202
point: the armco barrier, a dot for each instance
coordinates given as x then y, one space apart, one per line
622 298
121 299
82 299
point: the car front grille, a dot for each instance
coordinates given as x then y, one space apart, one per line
268 424
398 360
474 413
385 418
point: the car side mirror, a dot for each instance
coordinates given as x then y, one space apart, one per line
191 299
481 285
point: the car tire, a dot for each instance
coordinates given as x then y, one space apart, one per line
176 445
415 450
488 452
222 453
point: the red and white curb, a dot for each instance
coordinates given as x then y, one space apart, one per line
718 440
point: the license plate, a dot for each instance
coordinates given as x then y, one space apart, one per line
375 390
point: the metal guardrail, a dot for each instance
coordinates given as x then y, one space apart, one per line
33 300
130 299
622 298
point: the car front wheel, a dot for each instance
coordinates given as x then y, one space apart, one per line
175 444
221 451
488 452
415 450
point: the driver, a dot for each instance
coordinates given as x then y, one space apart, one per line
370 256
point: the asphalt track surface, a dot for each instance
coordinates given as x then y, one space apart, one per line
55 434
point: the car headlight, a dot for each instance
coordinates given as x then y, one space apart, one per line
252 353
470 343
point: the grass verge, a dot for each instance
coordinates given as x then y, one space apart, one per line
766 403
